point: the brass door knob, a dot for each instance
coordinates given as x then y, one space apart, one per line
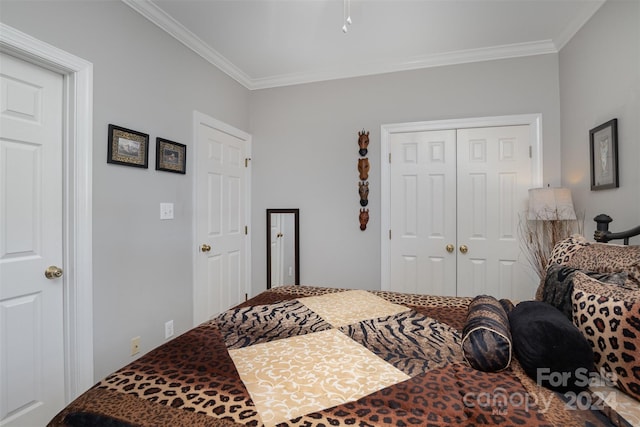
450 248
53 272
205 248
464 249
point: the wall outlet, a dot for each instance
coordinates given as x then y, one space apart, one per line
168 329
135 346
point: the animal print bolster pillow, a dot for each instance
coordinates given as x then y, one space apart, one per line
486 341
609 317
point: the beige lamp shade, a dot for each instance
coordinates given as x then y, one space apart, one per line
550 204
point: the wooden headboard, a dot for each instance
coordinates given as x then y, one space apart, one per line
603 235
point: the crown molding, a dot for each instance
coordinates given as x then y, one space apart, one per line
590 8
415 63
157 16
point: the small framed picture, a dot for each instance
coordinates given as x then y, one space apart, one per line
171 156
603 147
127 147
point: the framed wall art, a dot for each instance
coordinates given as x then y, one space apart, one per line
603 148
127 147
171 156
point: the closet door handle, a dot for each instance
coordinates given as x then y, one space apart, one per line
450 248
464 249
53 272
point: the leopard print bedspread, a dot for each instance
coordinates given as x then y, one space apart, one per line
402 368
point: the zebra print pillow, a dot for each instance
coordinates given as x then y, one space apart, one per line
486 341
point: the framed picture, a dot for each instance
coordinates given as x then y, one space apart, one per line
603 147
127 147
171 156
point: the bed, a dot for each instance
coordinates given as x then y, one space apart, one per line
316 356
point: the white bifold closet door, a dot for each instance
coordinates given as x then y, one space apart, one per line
456 199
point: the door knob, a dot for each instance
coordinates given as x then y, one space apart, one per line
205 248
450 248
464 249
53 272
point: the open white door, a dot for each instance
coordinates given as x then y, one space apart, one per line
222 179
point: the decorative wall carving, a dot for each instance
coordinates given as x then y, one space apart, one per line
363 173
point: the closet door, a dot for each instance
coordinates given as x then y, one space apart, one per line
423 212
455 199
493 176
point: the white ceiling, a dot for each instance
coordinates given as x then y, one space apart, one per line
270 43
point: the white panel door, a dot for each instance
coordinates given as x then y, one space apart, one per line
221 185
455 200
494 175
423 205
31 306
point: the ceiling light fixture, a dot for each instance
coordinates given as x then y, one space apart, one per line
346 15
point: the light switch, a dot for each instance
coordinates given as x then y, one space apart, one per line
166 210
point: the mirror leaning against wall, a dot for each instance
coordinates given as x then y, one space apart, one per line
283 247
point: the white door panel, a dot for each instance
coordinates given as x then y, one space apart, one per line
423 211
31 306
221 216
494 174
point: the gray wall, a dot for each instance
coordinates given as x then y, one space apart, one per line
599 81
305 151
147 81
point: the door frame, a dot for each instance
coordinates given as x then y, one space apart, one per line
77 143
198 119
534 121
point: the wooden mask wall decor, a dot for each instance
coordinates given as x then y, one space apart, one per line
364 218
363 142
363 190
363 168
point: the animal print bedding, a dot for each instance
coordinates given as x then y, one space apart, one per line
310 356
